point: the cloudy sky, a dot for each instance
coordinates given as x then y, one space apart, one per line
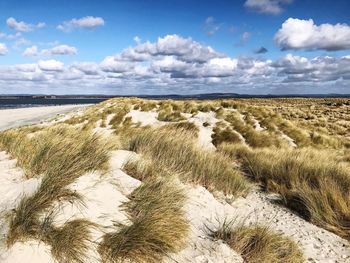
174 46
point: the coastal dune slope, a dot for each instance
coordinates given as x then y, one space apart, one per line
131 180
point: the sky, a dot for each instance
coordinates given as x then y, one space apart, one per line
126 47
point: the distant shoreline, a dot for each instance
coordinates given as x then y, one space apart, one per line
26 101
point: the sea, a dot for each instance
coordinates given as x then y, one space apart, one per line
10 103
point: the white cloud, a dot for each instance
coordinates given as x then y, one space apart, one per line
88 22
51 65
183 48
171 65
113 64
61 50
272 7
20 42
89 68
22 26
31 51
304 34
3 49
10 36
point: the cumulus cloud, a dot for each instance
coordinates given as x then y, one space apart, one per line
61 50
3 49
271 7
22 26
305 34
51 65
88 22
113 64
184 49
171 64
31 51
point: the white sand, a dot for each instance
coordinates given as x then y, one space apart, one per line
11 118
13 186
144 117
257 125
103 195
204 135
290 141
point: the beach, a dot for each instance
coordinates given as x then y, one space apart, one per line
11 118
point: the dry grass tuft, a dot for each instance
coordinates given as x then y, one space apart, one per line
69 243
224 135
60 155
312 182
255 139
118 118
142 169
158 225
170 116
259 244
184 125
177 151
56 150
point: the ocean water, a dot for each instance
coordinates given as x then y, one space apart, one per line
31 102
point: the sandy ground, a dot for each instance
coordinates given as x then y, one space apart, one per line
11 118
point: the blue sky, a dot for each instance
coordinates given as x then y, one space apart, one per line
41 57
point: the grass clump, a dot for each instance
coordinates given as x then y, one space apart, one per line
171 116
312 182
184 125
70 242
177 151
142 169
119 114
157 226
224 135
62 150
60 155
255 139
259 244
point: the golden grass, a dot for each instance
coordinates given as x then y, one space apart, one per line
70 242
56 150
60 155
224 135
142 169
178 151
259 244
312 182
185 125
119 114
170 116
256 139
157 226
